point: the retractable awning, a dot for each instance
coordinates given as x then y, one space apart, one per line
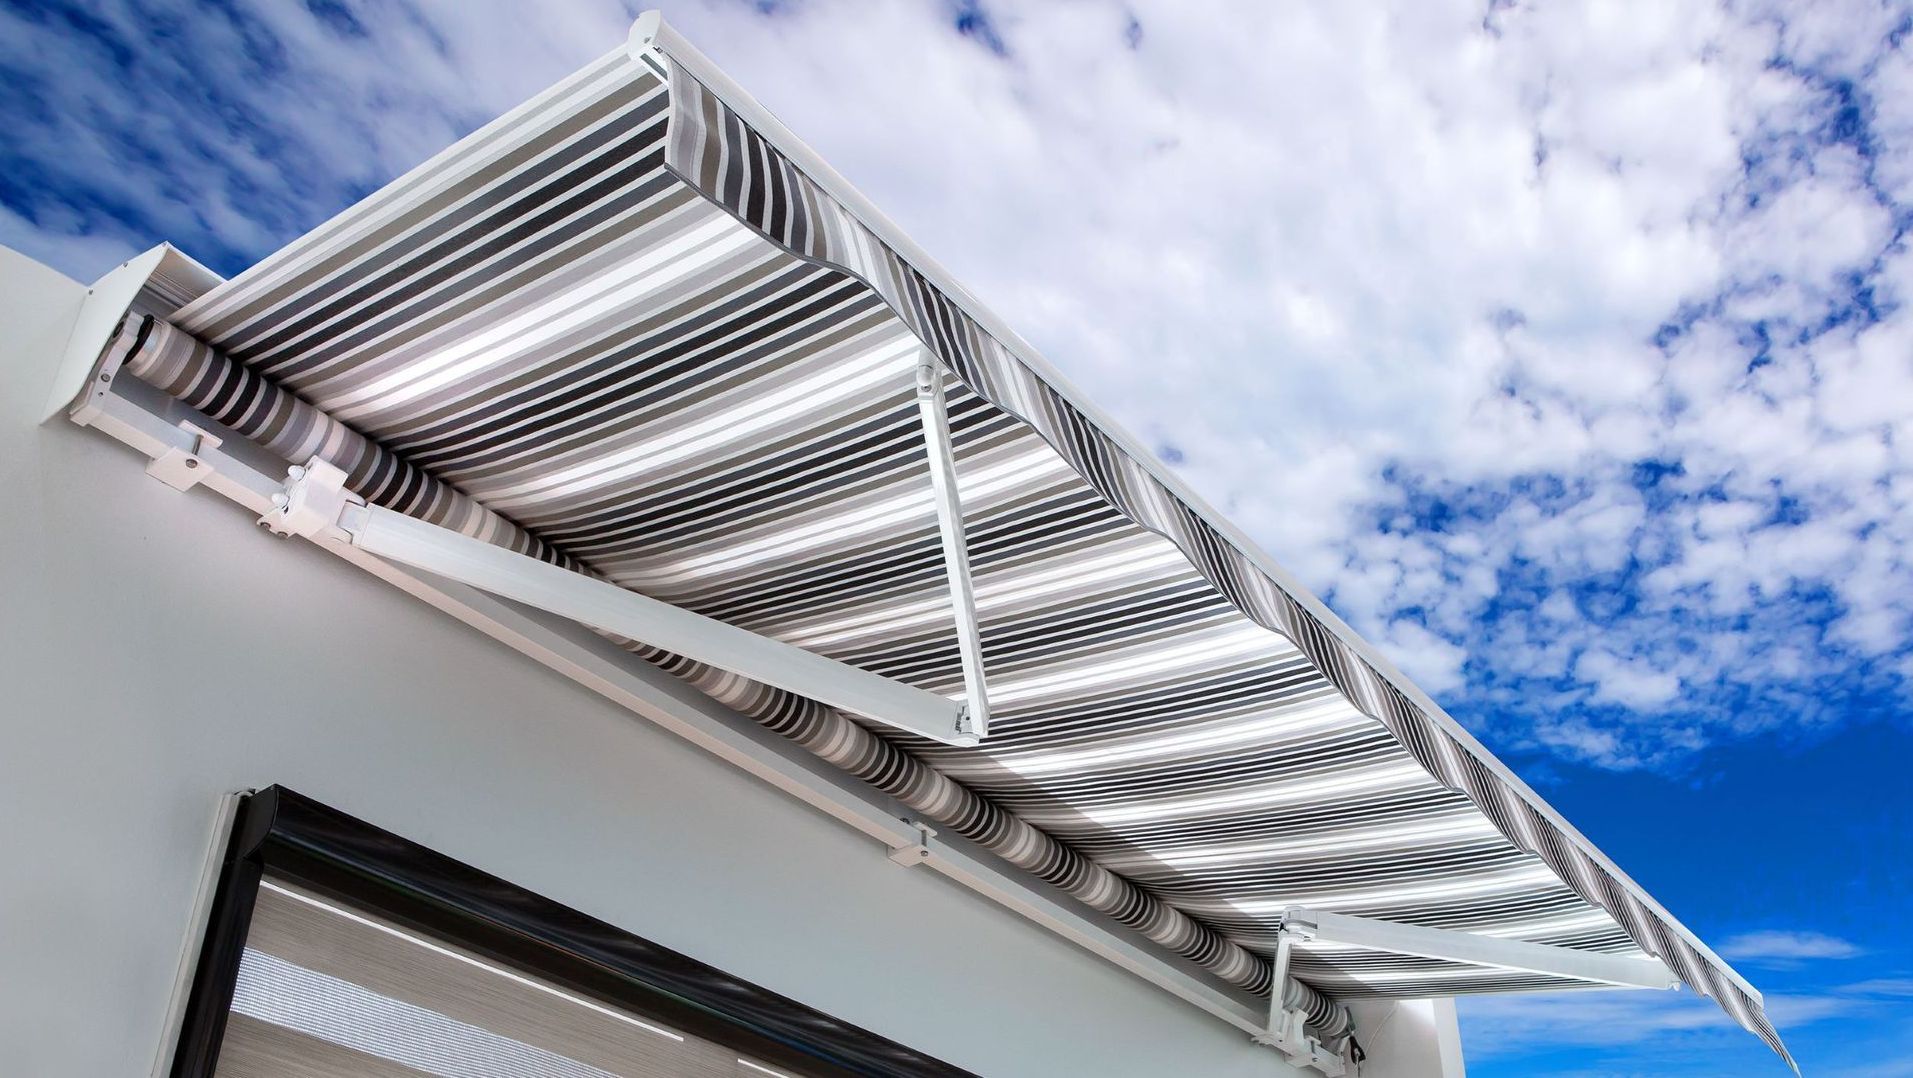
637 330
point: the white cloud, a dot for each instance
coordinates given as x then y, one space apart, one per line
1512 1025
1777 945
1565 346
63 242
1885 987
1432 661
1630 684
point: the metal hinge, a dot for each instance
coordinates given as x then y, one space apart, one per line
1288 1029
312 504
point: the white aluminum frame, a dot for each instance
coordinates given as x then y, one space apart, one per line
212 861
315 504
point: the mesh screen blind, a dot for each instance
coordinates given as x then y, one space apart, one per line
328 991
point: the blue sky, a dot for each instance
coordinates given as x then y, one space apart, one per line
1566 350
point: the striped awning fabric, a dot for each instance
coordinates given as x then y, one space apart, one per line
625 329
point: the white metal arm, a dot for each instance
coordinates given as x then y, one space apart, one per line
1476 950
1287 1030
956 553
316 504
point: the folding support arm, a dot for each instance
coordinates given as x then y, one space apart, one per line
1287 1030
316 505
1591 966
956 554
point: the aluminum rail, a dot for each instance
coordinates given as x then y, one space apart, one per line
316 505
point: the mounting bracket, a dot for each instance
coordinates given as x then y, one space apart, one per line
914 853
180 467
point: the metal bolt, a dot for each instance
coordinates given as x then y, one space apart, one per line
106 377
191 463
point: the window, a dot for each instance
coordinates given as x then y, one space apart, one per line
337 950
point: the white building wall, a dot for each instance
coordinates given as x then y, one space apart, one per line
158 650
1415 1038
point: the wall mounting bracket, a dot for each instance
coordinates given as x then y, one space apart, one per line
180 467
914 853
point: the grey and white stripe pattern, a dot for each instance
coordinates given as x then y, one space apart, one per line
714 149
572 333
